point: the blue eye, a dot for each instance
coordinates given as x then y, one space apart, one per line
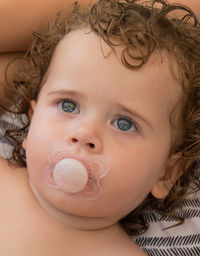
125 125
69 106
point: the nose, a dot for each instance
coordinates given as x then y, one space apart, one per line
85 137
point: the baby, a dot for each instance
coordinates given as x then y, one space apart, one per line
108 109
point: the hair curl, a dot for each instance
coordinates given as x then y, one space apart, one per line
141 28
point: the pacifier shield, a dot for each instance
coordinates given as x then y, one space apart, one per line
74 174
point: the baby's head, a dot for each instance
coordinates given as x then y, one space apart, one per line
120 80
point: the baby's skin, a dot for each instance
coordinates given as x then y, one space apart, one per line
27 229
99 107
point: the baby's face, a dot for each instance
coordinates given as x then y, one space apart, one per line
97 106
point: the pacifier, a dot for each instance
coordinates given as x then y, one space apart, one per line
70 175
74 174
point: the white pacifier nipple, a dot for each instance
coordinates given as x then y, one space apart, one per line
70 175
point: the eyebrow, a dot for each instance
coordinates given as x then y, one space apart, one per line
135 114
63 92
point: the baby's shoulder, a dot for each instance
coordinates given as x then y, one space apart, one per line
131 250
120 244
5 168
9 172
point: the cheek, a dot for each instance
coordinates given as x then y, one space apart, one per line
139 166
38 140
43 131
133 174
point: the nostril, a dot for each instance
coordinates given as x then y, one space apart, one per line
74 140
91 145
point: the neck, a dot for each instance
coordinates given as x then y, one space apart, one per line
72 221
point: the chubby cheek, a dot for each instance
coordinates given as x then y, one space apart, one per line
127 192
37 148
35 159
131 180
42 133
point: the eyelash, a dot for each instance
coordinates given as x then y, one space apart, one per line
128 119
61 100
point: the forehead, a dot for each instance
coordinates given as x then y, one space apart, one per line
88 61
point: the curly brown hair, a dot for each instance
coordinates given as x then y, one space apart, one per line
141 28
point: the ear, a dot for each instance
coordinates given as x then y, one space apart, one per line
162 187
31 108
172 172
30 114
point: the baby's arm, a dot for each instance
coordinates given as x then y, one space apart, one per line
20 17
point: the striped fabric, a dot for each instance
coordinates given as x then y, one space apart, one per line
5 144
183 240
9 122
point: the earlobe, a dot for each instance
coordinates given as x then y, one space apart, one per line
24 143
31 108
30 114
173 171
161 188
